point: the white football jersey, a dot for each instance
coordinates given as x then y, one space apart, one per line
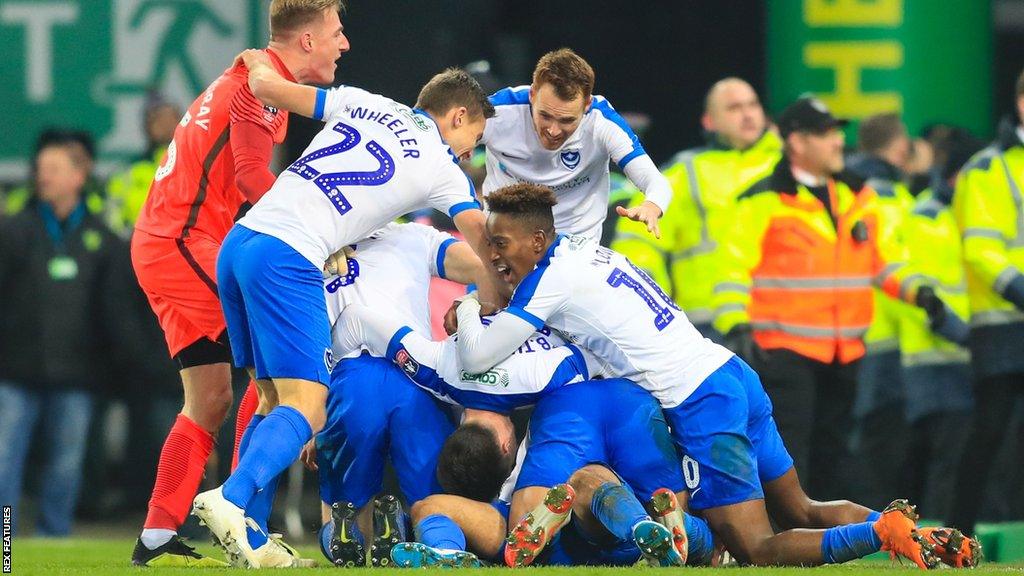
391 270
577 172
599 300
374 160
543 363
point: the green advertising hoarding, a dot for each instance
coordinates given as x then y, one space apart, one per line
929 60
89 64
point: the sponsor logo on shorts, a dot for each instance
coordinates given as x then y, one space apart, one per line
406 362
570 159
329 360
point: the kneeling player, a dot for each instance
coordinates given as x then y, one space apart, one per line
373 411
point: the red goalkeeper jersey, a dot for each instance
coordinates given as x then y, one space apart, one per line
195 190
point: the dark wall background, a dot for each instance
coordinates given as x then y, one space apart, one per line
653 56
657 57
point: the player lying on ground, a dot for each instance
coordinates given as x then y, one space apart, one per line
374 413
375 160
611 422
719 414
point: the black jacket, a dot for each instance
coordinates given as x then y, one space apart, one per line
68 317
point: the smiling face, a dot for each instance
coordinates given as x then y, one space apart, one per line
555 119
516 246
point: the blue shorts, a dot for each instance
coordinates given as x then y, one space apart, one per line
728 438
611 422
373 411
275 309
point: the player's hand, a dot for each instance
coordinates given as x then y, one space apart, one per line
252 58
451 319
308 455
337 263
647 212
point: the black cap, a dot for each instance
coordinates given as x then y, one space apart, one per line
807 114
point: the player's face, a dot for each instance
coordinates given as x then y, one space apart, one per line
515 248
819 153
57 177
735 113
463 133
555 119
329 43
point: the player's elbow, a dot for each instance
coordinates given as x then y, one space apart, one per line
475 363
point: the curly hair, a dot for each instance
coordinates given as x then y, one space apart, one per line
529 202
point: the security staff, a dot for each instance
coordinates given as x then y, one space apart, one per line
989 208
705 183
795 297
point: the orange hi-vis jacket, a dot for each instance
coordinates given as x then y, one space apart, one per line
800 272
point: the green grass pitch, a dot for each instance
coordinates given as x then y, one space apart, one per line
101 557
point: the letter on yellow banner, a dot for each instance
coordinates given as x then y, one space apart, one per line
853 13
848 59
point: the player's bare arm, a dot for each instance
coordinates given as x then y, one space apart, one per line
273 89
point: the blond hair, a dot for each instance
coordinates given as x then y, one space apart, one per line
287 16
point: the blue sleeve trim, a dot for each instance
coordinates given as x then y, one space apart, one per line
441 252
520 313
472 187
396 342
606 110
321 101
511 96
636 153
462 207
501 403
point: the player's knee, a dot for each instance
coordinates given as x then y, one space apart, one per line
428 506
588 478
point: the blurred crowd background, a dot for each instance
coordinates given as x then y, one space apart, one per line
93 90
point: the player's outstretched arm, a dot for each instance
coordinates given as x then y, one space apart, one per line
482 347
273 90
657 193
462 265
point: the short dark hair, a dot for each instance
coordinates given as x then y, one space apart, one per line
451 88
567 72
530 202
79 145
876 132
471 464
289 15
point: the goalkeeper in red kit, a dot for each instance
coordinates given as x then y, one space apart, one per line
215 167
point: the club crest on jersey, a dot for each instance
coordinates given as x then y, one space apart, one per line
329 360
406 363
570 159
269 113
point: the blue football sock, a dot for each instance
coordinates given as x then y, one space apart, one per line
259 510
243 444
849 542
325 535
873 516
617 508
441 532
273 447
701 545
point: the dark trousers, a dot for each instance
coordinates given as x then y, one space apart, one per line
935 447
813 408
994 401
